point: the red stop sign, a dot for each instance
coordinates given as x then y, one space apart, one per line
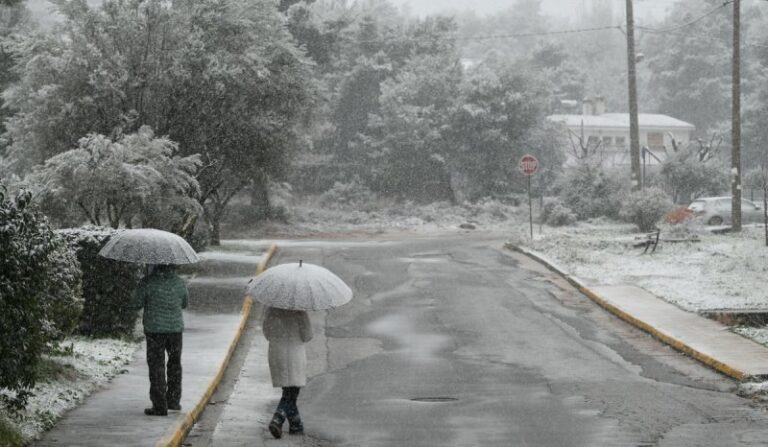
528 164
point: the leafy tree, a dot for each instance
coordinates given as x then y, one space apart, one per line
692 71
219 77
14 20
405 143
110 181
500 118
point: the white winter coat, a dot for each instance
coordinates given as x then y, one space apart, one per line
287 331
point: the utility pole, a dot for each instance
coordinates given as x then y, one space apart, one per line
634 128
736 121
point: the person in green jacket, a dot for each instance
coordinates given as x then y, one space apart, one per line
162 295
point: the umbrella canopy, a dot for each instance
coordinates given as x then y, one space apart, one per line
149 246
299 286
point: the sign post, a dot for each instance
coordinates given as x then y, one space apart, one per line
528 166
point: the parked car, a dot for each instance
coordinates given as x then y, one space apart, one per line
717 210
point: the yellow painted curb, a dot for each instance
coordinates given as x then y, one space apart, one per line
663 337
185 422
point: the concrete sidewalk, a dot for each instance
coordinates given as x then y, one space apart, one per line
700 337
115 415
213 325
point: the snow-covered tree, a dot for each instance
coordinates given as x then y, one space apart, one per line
114 182
219 77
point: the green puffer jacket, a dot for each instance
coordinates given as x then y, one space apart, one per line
163 296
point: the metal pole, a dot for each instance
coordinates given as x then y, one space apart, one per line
530 206
541 205
634 127
736 121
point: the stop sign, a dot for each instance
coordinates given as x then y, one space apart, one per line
528 164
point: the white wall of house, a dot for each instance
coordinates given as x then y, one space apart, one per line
612 132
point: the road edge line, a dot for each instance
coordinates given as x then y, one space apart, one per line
631 319
185 422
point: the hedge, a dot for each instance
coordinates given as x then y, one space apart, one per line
107 284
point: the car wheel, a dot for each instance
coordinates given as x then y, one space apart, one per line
717 220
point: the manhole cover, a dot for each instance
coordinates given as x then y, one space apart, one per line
434 399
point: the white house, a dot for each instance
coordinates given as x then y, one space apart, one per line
607 134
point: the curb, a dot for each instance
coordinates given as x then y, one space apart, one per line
663 337
185 422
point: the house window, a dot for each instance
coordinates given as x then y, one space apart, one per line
655 140
621 141
593 141
607 141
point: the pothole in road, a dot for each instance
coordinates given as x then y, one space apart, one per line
434 399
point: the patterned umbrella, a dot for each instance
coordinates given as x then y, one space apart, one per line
149 246
299 286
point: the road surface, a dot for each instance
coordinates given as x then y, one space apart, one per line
454 341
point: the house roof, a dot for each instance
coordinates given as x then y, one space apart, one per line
621 121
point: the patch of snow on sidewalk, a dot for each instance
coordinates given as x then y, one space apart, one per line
92 364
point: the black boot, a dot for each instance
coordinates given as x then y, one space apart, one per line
276 424
295 426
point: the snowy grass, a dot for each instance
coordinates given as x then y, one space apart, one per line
83 366
717 272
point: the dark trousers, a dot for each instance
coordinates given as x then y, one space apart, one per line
287 405
164 392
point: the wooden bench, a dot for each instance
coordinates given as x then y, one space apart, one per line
649 240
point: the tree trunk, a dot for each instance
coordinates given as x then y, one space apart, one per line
215 236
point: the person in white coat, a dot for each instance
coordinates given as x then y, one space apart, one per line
287 331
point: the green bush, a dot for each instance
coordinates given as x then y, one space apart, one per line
645 208
9 434
34 264
591 191
107 284
557 215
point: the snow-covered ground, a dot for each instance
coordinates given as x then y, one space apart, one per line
91 364
725 271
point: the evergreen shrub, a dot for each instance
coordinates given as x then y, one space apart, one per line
589 190
39 287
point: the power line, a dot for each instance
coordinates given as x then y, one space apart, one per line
692 22
541 33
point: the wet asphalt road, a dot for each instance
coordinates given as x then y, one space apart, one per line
454 341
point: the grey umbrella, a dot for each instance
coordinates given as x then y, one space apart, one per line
299 286
149 246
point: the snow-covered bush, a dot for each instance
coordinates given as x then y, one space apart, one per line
591 191
345 195
686 176
107 284
645 208
560 215
33 265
